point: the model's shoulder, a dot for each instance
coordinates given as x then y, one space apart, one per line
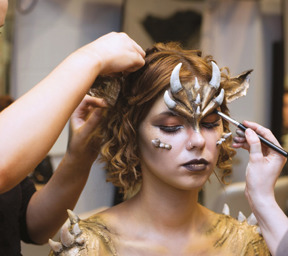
90 236
239 234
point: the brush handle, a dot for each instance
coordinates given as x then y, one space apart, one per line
266 142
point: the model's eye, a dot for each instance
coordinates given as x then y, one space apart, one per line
170 129
210 125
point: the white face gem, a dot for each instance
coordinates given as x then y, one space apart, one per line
158 144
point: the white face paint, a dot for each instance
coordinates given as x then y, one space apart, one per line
193 155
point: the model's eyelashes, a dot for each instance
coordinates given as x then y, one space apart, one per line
210 125
177 128
170 129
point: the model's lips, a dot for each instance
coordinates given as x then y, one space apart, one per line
196 165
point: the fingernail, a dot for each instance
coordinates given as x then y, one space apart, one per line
240 132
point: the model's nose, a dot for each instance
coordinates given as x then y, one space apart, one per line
195 140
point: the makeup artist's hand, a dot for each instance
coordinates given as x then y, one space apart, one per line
83 143
262 172
265 164
115 52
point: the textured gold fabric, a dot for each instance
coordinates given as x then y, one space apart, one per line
226 236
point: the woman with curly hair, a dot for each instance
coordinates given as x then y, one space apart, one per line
161 141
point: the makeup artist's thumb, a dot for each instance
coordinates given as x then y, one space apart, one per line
254 143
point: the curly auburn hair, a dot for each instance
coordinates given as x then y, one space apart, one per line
139 91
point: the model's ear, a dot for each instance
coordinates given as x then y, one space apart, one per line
238 87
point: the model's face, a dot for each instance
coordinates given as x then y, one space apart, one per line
3 11
193 155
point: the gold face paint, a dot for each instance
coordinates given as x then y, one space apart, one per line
192 100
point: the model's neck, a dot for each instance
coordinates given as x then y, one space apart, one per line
168 209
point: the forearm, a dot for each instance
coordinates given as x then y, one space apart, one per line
271 219
31 125
47 210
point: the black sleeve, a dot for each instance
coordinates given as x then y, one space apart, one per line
282 249
27 190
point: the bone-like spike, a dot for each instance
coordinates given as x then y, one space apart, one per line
219 99
72 217
156 142
241 217
227 135
220 141
258 230
168 101
66 237
216 76
210 107
55 246
198 99
214 103
198 112
226 209
76 230
196 86
80 240
175 83
168 146
251 220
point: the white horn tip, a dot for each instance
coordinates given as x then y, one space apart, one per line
219 99
55 246
226 209
175 83
251 220
66 237
241 217
227 135
72 217
258 230
76 230
216 76
80 240
197 86
168 101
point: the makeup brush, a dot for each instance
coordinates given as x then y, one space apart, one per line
263 140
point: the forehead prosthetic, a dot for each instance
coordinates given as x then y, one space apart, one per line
196 99
192 100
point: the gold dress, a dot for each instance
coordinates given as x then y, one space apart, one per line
226 236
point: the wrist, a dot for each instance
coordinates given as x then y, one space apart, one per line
87 58
260 202
84 163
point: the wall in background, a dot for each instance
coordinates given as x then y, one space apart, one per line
53 29
43 38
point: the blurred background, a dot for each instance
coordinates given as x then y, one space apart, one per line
240 34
